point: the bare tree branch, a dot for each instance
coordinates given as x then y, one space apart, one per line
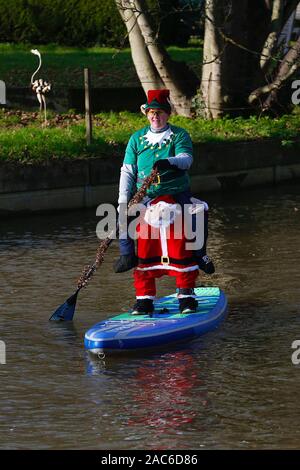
289 65
271 41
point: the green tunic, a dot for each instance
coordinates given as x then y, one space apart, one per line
142 153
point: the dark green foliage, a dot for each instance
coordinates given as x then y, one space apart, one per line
175 20
65 22
84 23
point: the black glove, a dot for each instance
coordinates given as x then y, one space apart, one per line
163 165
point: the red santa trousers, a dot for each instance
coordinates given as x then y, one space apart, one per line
160 254
145 286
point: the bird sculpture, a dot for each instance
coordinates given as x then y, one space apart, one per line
40 86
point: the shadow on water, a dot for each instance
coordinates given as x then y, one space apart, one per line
65 333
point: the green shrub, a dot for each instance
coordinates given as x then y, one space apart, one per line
84 23
72 23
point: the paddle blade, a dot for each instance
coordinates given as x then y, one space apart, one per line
66 311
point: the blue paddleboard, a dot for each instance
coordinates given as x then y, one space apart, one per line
126 332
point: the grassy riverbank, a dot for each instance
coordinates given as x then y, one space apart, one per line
63 66
24 138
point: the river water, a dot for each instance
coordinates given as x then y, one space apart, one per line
234 388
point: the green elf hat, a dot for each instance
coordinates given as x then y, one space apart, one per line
157 99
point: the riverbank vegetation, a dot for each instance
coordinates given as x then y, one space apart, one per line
25 138
246 69
63 66
84 23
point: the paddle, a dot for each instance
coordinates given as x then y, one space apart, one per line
66 311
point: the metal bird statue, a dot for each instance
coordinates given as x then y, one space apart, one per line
40 86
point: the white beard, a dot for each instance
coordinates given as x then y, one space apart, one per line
161 214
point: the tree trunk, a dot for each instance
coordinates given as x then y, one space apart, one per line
289 8
211 88
143 63
180 93
235 33
239 44
153 64
247 26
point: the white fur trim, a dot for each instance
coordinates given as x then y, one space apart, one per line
159 138
151 297
170 268
161 214
163 242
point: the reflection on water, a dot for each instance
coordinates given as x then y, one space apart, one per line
169 408
233 388
162 399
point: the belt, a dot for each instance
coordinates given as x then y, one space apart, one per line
167 260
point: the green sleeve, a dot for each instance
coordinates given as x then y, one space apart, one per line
183 143
131 152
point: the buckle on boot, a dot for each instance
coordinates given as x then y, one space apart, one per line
165 260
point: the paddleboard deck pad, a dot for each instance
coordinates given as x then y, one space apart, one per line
126 332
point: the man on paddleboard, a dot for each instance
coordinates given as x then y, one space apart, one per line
169 149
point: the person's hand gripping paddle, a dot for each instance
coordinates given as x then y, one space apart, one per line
66 311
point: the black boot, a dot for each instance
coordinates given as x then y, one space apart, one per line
125 263
143 307
188 305
206 264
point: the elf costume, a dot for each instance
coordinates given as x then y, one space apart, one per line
170 150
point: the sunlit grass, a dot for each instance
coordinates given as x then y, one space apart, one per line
63 66
22 137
